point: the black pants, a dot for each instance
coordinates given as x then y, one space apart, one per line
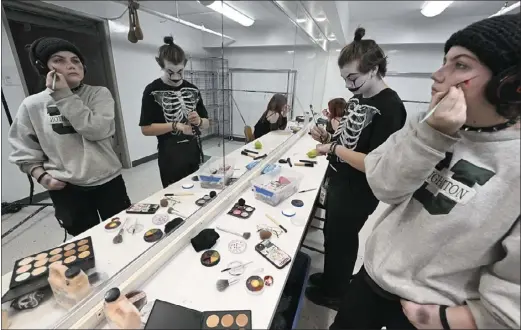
344 219
79 208
177 160
364 308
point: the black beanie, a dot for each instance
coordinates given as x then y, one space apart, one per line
42 49
496 41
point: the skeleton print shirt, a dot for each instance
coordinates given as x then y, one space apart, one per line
368 122
166 104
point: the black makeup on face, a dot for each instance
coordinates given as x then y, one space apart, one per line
352 80
172 75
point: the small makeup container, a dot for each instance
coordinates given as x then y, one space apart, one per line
120 312
69 285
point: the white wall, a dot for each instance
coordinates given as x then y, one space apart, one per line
310 63
135 67
422 58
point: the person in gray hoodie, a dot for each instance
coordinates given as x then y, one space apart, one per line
446 253
62 137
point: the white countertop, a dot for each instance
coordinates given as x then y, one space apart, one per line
110 258
184 281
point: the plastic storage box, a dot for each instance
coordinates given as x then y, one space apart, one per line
271 189
216 173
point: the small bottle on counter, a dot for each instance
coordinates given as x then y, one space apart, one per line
5 320
69 285
120 312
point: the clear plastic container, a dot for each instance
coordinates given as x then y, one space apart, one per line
216 172
271 190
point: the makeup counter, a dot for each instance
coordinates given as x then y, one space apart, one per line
181 283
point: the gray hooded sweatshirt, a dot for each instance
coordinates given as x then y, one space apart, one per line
69 134
451 235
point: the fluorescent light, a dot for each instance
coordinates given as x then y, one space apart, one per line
433 8
338 49
331 37
506 9
230 12
290 51
301 20
320 19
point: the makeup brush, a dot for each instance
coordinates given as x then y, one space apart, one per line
276 222
244 235
119 237
179 194
306 190
53 87
466 82
224 284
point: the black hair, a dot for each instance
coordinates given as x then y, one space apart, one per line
366 51
170 52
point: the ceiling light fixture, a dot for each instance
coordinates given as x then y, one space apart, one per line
320 19
433 8
338 49
228 11
331 37
301 20
507 8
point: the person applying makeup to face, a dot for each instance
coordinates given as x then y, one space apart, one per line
274 118
172 109
335 111
63 135
446 254
372 115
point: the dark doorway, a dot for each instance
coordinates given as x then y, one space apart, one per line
27 24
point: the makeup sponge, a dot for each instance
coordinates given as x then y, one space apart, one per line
205 239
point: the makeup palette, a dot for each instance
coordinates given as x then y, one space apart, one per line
113 224
30 273
169 316
241 211
141 208
210 258
206 199
153 235
160 219
255 284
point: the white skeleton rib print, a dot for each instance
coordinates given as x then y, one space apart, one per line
177 104
357 117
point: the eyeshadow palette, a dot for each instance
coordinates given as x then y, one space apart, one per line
241 211
141 208
206 199
30 273
169 316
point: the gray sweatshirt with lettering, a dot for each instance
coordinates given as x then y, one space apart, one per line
69 134
451 234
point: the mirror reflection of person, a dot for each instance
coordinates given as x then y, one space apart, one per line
446 254
63 135
335 111
172 109
373 114
274 118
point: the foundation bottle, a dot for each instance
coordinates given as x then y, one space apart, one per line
69 285
120 312
5 319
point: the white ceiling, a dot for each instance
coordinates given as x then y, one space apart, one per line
397 17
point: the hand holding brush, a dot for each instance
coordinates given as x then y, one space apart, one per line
449 111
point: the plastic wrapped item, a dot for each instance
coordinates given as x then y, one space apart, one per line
273 188
216 172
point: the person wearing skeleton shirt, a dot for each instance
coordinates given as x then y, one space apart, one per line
446 254
63 136
372 115
172 109
274 118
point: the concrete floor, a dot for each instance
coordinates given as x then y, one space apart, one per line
43 232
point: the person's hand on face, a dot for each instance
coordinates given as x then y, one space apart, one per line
60 82
285 110
194 119
185 129
323 149
318 133
451 113
50 183
272 116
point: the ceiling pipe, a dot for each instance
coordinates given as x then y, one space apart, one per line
177 20
323 43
